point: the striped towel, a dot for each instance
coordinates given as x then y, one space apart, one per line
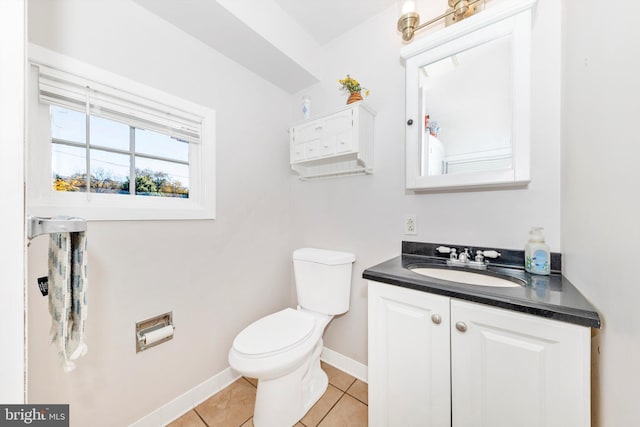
68 295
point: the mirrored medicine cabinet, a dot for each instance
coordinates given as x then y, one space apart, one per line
468 102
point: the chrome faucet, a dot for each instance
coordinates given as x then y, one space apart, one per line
464 258
455 260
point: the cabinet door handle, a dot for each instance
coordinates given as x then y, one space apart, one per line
435 318
461 326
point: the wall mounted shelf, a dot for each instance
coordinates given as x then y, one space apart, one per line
335 144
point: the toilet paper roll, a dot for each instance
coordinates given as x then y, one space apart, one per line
157 335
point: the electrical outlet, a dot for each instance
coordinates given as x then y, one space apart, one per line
410 224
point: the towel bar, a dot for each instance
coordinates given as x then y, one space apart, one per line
37 225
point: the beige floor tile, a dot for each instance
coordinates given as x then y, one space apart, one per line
322 407
337 378
230 407
360 390
348 412
253 381
190 419
249 423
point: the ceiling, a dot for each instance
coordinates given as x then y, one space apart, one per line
325 20
276 39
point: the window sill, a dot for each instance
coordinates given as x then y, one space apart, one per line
105 207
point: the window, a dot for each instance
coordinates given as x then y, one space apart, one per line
114 151
115 154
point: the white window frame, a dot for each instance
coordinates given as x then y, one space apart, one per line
43 200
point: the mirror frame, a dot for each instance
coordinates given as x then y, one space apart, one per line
511 18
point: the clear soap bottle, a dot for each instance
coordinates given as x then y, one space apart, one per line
537 256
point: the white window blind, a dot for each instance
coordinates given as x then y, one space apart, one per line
81 94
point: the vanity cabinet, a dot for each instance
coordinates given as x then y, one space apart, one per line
339 143
436 361
409 358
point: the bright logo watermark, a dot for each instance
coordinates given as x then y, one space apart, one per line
34 415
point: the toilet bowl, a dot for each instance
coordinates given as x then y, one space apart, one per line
282 350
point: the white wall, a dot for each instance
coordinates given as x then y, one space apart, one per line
12 54
600 175
365 214
216 276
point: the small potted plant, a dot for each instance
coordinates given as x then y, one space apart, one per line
354 88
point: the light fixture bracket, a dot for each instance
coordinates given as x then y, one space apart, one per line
407 25
458 10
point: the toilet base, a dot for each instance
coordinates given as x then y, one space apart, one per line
283 401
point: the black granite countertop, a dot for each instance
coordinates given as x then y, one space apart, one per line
552 296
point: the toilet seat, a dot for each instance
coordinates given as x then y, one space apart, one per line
254 362
274 334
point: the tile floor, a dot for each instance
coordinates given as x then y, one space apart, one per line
344 404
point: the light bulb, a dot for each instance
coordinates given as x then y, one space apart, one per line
408 7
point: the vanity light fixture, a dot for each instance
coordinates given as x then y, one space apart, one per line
409 21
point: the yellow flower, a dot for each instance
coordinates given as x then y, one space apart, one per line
351 85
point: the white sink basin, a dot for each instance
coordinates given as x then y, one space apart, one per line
467 277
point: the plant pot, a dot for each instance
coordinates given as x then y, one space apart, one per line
354 97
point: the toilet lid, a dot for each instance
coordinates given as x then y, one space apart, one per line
274 333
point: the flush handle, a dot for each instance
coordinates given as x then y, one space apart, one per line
436 318
461 326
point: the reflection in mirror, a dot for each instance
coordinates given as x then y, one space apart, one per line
466 105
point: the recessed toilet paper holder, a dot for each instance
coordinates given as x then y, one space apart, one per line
154 331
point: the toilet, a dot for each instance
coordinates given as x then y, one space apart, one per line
282 350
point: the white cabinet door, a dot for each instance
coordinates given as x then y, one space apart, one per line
511 369
409 383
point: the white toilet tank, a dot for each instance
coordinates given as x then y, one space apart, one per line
323 279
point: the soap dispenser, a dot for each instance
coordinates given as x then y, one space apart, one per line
537 256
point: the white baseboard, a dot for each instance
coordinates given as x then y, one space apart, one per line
344 363
188 400
192 398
